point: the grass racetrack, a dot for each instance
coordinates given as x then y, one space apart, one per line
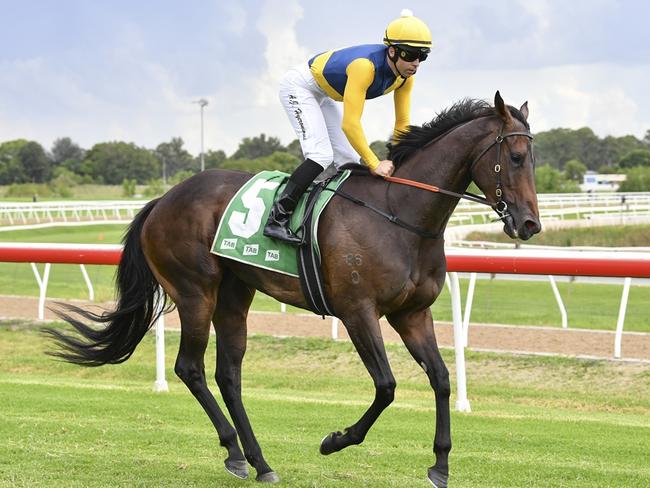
551 422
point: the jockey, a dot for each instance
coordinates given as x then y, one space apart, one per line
352 75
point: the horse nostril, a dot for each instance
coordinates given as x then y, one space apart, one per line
532 226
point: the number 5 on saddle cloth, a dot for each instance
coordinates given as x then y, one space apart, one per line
239 236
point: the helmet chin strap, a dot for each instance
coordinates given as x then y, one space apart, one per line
394 59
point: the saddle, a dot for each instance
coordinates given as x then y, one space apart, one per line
239 236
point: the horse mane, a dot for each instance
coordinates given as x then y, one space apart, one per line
460 112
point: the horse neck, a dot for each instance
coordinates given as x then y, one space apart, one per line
445 163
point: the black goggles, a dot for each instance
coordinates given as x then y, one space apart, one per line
409 56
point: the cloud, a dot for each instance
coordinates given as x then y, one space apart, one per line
599 95
237 17
124 75
277 22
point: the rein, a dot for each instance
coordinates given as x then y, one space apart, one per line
500 206
435 189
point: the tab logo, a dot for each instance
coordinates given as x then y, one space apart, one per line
251 249
228 244
272 255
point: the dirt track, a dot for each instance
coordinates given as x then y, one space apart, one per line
572 342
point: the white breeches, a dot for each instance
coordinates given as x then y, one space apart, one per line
316 118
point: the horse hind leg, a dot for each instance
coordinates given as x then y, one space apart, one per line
416 331
195 313
229 320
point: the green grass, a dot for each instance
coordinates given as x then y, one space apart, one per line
605 236
87 234
79 192
535 421
588 306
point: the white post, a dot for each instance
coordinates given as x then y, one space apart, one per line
335 328
621 318
161 382
560 303
42 287
89 284
468 306
283 307
462 403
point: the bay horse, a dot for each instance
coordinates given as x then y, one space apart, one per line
371 268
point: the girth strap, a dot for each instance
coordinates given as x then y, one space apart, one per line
309 265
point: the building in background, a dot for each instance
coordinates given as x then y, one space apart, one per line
593 181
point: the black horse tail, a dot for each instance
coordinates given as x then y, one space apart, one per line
115 334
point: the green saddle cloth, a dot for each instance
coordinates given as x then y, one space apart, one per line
239 236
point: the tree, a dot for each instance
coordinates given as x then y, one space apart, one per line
155 187
63 182
551 180
638 157
112 162
279 160
574 170
257 147
295 150
638 179
11 166
557 146
173 157
282 161
614 148
646 138
213 159
180 176
64 149
128 187
36 165
380 148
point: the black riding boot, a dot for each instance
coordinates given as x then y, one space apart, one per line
277 226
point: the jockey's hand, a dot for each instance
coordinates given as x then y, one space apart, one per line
385 168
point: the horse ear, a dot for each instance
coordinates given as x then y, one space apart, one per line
524 110
501 108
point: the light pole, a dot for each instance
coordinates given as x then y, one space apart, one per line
202 103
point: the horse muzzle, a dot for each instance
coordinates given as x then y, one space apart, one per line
523 228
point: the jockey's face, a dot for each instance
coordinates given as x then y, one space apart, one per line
403 67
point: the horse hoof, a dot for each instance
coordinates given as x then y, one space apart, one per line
327 445
438 480
269 477
238 468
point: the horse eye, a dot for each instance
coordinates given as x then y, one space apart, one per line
517 158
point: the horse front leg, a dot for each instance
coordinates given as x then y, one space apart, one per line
416 330
366 337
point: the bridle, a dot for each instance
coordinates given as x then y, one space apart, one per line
500 206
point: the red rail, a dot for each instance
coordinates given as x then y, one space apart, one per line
60 253
551 262
542 262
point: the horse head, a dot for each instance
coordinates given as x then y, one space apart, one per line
505 172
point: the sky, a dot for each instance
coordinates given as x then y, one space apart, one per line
101 70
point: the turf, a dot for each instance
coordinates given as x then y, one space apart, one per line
535 421
603 236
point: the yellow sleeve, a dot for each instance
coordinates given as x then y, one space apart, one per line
360 73
402 99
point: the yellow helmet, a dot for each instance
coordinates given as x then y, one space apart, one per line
408 30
